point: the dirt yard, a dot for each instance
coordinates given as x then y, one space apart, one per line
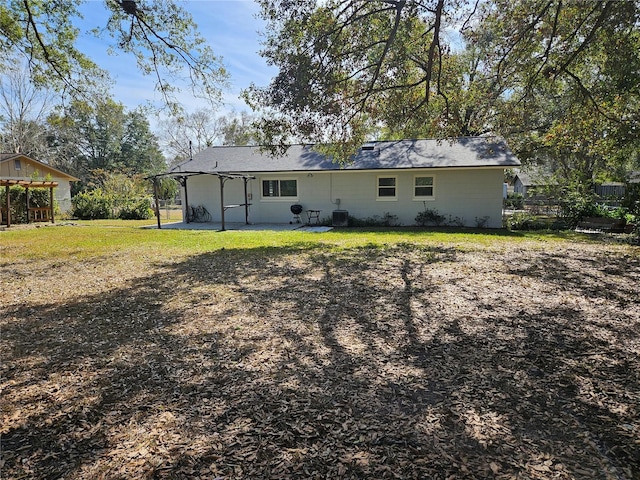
515 360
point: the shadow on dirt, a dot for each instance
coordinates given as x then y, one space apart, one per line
311 363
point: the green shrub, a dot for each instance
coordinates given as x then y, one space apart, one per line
631 200
429 216
137 209
387 220
455 221
481 222
514 201
520 221
356 222
92 205
528 222
576 206
603 211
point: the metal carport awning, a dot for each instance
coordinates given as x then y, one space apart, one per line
222 176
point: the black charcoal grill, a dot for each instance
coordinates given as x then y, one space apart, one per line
296 210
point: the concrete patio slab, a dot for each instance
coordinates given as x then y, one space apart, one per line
276 227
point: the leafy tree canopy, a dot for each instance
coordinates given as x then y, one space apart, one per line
346 66
573 71
87 137
160 34
350 69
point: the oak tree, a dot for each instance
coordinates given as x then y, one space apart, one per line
349 69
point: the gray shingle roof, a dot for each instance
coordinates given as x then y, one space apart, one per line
462 152
525 179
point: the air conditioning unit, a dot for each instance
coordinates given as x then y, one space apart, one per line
340 218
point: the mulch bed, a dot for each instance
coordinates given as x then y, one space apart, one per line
520 360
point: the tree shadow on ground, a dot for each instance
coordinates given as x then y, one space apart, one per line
371 362
609 279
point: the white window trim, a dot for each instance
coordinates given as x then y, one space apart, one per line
280 198
424 198
386 199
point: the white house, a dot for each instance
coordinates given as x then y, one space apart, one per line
460 178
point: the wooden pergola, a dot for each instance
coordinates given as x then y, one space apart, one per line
36 214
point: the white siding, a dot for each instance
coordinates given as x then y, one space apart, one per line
467 195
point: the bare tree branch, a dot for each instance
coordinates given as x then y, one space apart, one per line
435 44
589 38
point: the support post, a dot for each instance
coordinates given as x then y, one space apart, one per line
26 194
156 202
8 190
51 204
246 201
222 179
185 209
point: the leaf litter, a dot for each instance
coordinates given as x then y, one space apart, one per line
406 361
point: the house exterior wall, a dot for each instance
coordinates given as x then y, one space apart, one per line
464 196
62 192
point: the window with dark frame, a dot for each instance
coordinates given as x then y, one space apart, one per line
279 188
387 187
17 164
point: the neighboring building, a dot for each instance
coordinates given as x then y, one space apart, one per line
460 178
16 166
530 185
533 186
612 193
522 182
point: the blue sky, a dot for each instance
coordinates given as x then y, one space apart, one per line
230 26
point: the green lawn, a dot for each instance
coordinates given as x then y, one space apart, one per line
88 238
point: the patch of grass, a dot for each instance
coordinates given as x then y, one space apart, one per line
82 239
